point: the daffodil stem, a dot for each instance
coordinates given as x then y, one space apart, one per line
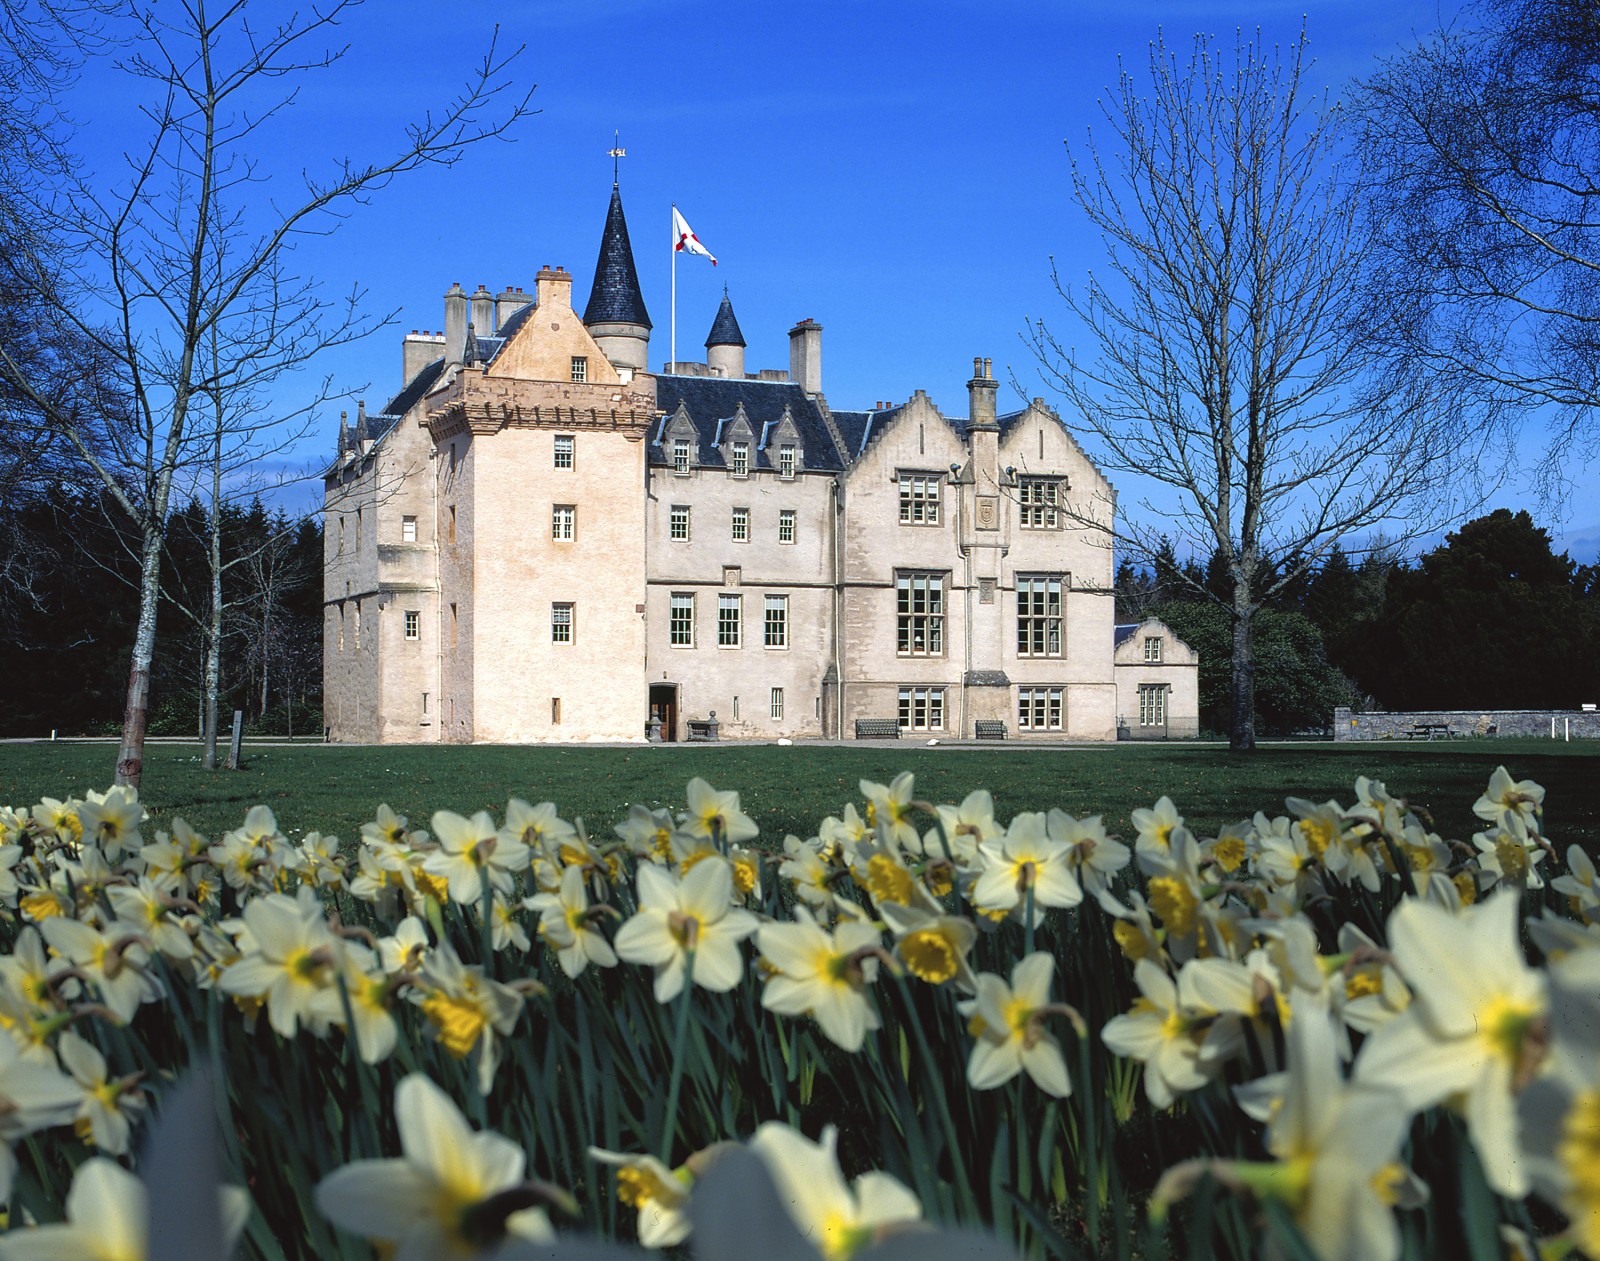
680 1047
1027 922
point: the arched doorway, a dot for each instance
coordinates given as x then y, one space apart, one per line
664 709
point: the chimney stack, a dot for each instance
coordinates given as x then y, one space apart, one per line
507 303
554 290
455 322
482 311
983 430
417 351
805 356
981 392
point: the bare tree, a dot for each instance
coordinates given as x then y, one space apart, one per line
195 248
1228 359
1480 149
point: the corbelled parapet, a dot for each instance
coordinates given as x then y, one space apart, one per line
481 404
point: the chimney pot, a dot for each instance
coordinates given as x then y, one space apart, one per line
987 374
977 367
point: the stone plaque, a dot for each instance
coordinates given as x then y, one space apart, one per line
730 575
988 513
985 590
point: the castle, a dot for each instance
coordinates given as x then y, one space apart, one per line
537 539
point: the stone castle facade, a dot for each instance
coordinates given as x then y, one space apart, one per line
539 540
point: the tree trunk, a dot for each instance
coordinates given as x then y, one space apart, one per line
213 648
136 719
1242 731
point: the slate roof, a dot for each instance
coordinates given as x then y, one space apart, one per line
615 298
404 401
710 402
1123 632
725 328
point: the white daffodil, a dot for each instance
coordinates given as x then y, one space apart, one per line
1156 828
823 974
717 815
539 827
145 908
469 850
677 918
290 957
108 1219
1522 797
113 962
839 1219
1007 1022
1560 1110
405 950
106 1105
965 828
1165 1031
1092 856
1581 881
658 1194
454 1191
1026 860
1470 1029
890 810
932 945
467 1009
1509 854
112 820
567 925
33 1096
369 993
810 874
1366 991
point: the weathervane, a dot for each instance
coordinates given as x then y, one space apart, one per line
615 152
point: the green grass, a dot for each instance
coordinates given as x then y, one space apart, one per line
334 788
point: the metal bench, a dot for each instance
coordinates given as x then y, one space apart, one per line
877 728
988 729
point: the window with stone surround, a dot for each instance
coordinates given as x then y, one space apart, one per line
580 369
920 498
786 525
776 626
680 624
408 529
413 624
776 709
919 614
729 608
1152 704
680 456
786 461
561 623
1039 709
739 459
1039 615
564 450
678 518
1152 648
1038 503
741 525
563 523
922 709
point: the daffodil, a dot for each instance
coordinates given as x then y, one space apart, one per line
821 974
291 958
932 945
362 1001
466 1010
649 834
1522 797
1581 882
406 948
840 1219
713 814
890 810
1092 856
1027 860
113 963
1007 1022
659 1195
567 925
33 1096
1472 1027
1165 1031
107 1104
453 1192
1508 854
470 850
1156 828
112 820
810 874
679 918
965 827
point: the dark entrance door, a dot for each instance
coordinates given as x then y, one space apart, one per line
664 708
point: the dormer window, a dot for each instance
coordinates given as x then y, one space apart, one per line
739 459
786 461
580 369
680 456
1152 648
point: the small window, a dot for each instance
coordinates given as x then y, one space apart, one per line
740 459
680 456
920 495
555 711
777 703
358 528
786 461
413 624
1037 503
580 368
922 709
453 626
408 529
341 534
786 526
679 518
729 608
1152 704
561 623
341 628
424 702
741 525
681 622
776 625
358 626
564 452
1152 648
1039 709
735 709
452 523
563 523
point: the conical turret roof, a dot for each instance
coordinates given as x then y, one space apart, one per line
615 298
725 328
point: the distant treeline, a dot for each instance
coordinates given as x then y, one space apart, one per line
66 633
1493 619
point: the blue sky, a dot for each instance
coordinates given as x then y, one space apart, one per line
895 171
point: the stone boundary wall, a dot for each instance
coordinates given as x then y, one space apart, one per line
1583 724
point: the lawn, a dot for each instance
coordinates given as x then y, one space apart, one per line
332 788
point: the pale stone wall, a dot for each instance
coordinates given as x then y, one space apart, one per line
708 676
454 467
1581 724
1178 670
350 599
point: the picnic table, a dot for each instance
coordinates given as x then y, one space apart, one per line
1428 730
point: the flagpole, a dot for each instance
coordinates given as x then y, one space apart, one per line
674 351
